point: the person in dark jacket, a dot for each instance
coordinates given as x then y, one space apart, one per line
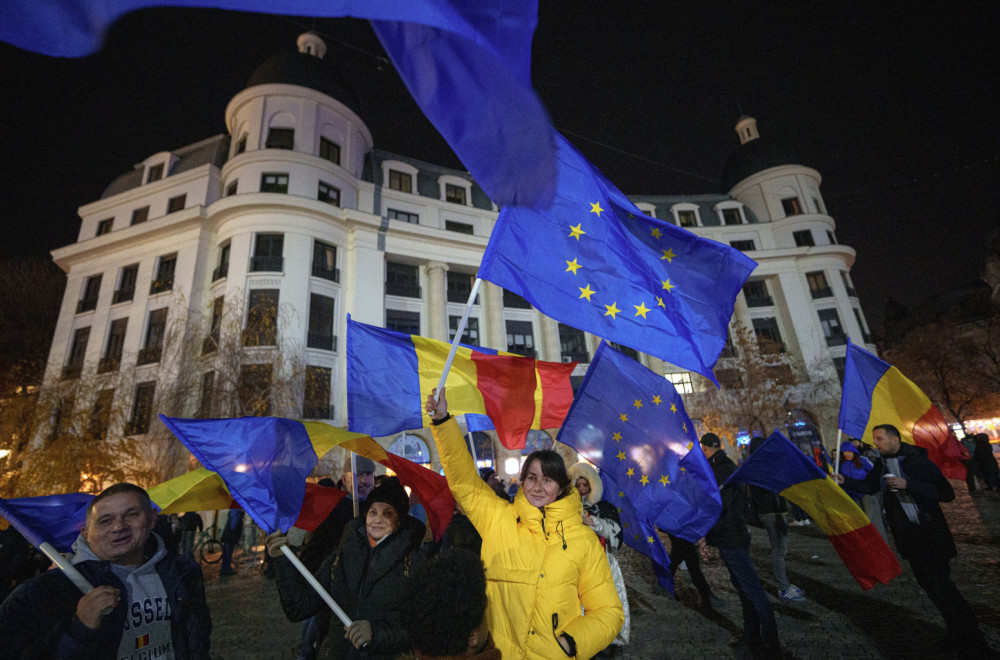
986 462
154 600
912 488
366 576
730 536
191 524
230 537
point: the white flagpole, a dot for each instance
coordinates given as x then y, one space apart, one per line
314 583
354 484
458 333
472 441
836 469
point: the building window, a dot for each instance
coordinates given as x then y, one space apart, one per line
470 335
454 194
176 204
687 218
207 395
757 294
152 350
62 420
255 389
572 344
274 182
321 323
803 238
241 146
140 216
847 284
116 343
861 324
401 321
819 205
791 206
211 343
126 287
91 291
402 280
77 352
832 329
403 216
840 364
324 263
831 237
100 414
768 335
732 217
328 194
281 138
104 226
164 274
222 270
317 396
460 227
155 173
232 187
743 246
400 181
267 253
142 409
682 382
520 338
460 287
818 286
329 150
514 301
262 318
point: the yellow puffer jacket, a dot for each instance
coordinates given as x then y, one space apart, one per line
546 573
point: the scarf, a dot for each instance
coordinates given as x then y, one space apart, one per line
895 466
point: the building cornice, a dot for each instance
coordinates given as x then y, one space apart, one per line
146 190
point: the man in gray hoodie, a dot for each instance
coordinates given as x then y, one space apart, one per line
147 603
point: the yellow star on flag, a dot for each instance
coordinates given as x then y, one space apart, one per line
623 417
586 292
690 446
668 254
641 309
644 480
656 232
631 471
649 539
616 436
684 469
637 403
668 286
573 266
621 493
673 407
659 302
595 207
624 525
685 427
664 479
657 400
612 310
576 232
621 456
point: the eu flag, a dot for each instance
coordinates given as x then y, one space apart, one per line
631 423
596 262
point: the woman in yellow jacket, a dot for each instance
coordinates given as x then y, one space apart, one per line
551 594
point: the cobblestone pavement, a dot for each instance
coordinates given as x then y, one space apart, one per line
838 619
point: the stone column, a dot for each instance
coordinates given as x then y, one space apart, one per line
437 300
491 325
551 348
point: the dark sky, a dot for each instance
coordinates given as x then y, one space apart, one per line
894 105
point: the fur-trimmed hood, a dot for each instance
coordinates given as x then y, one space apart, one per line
587 471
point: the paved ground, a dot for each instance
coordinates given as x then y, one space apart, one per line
839 620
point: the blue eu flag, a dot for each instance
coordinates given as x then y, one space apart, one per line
595 262
631 423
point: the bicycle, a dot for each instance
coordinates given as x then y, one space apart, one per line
207 546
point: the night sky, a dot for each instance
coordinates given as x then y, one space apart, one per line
895 106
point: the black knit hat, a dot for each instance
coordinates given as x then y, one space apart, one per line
711 440
486 472
392 493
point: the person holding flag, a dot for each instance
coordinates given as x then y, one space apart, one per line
145 599
913 488
551 594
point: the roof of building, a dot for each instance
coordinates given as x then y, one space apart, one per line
705 203
304 70
213 151
755 156
427 177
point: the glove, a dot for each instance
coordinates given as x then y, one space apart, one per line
274 541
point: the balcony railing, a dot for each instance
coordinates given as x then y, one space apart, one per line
107 364
575 357
86 305
123 295
332 274
72 371
322 341
403 289
836 340
161 286
149 355
825 292
222 270
760 301
317 411
461 297
266 264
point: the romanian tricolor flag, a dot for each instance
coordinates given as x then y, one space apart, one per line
390 374
875 392
780 467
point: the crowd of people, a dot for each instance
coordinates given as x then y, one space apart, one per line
527 575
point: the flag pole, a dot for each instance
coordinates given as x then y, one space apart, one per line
458 333
472 441
836 470
314 583
354 484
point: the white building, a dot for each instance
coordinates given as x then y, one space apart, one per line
297 209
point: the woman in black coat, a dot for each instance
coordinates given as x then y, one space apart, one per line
366 576
986 463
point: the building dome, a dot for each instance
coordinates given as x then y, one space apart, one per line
754 154
305 68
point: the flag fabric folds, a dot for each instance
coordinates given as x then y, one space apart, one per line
390 374
778 466
631 423
55 519
876 392
467 65
596 262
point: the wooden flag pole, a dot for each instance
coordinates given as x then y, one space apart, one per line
458 333
836 460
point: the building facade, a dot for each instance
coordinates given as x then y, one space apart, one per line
295 219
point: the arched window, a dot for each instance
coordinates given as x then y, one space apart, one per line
412 448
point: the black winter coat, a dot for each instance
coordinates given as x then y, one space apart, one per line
368 584
931 538
731 529
38 620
